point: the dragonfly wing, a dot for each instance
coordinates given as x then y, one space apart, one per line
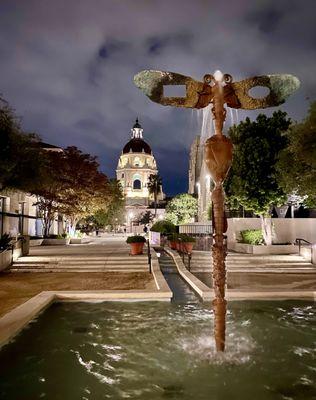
281 87
152 83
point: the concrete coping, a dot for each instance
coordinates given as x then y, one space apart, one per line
160 281
199 287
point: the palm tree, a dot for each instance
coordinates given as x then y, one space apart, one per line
154 186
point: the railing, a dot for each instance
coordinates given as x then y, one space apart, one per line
196 228
148 255
299 241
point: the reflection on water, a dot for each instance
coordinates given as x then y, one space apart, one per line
157 351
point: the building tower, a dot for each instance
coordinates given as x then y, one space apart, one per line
135 165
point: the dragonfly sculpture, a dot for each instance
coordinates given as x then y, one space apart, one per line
218 89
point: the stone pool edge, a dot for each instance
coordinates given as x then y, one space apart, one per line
15 320
207 294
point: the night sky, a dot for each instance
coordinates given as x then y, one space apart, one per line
67 66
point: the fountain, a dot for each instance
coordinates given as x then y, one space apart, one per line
218 90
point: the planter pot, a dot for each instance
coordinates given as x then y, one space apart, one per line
55 242
25 245
35 242
136 248
188 247
5 259
173 245
257 249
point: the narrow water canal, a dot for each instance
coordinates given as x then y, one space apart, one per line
182 293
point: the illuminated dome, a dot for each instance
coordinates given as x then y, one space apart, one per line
137 143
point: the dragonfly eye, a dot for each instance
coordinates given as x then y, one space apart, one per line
208 78
228 78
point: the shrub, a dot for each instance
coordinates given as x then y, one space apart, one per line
173 237
5 241
252 236
164 227
187 239
136 239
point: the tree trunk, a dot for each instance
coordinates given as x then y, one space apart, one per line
266 226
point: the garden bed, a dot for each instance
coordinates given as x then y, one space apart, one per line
36 242
55 242
262 249
80 240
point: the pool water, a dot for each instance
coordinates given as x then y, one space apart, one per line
163 351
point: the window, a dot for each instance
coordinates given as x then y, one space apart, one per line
136 162
137 185
122 175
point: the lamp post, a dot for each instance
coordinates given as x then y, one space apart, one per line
218 89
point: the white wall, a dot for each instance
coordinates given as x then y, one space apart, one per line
285 229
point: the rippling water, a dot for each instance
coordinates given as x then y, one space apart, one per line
163 351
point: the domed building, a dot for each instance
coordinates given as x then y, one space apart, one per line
135 165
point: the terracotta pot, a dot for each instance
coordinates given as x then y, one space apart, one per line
188 247
173 244
136 248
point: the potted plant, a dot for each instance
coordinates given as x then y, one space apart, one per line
5 241
187 243
173 238
137 243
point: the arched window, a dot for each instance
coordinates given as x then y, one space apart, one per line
136 161
137 184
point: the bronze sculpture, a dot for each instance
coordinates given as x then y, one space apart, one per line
218 89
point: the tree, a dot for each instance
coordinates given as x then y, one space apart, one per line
181 209
21 157
297 163
113 213
73 186
145 218
154 186
252 181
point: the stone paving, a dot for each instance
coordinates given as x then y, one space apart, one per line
17 287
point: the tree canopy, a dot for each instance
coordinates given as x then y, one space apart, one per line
253 181
21 157
181 209
72 185
297 164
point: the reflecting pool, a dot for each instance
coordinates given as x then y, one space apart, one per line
163 351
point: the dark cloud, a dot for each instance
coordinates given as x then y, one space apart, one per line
67 66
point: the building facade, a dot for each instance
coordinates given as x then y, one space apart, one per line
200 182
136 163
19 214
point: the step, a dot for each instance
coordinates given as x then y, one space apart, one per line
71 267
43 270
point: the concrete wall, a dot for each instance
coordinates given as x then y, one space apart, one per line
285 229
31 226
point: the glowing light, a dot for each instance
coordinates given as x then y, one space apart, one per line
218 76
